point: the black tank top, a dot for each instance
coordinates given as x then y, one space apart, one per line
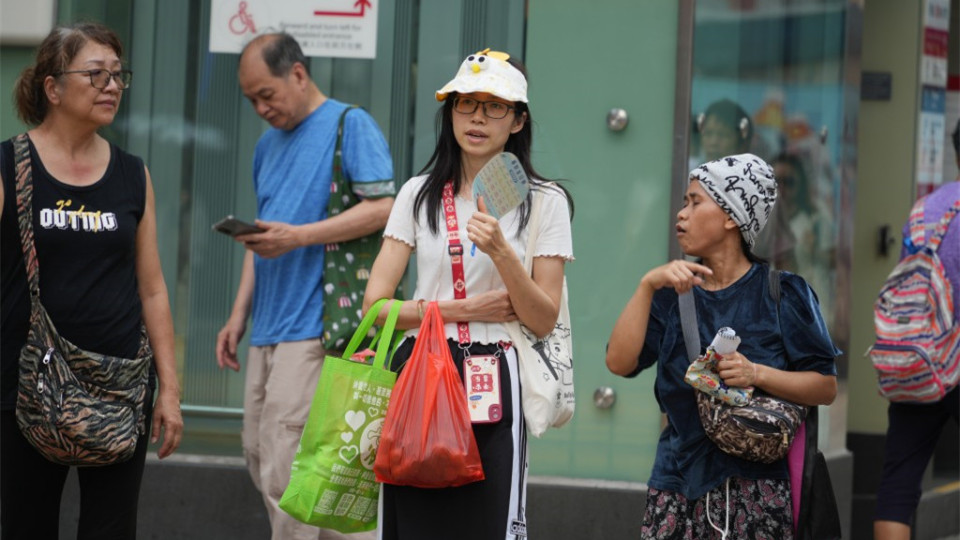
86 250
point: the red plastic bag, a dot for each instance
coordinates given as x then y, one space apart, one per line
427 438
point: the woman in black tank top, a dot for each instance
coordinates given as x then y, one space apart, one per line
95 234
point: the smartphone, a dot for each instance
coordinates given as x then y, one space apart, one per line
233 227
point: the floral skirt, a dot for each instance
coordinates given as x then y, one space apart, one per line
747 509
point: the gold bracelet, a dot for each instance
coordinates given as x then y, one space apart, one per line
420 308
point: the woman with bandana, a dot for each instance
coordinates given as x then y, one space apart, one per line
485 112
697 490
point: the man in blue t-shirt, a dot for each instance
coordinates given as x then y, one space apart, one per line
282 280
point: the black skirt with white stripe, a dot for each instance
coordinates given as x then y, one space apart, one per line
487 510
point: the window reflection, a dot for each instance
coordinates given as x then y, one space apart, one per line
767 80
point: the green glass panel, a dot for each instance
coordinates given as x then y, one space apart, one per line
783 66
620 181
12 61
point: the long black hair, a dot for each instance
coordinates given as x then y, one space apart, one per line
445 163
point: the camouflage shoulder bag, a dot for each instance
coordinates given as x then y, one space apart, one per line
760 430
346 265
75 407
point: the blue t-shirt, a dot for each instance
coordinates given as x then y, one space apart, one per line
292 172
687 461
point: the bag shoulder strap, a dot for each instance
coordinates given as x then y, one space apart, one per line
688 324
917 224
943 225
21 157
533 225
688 314
339 148
773 283
339 181
774 287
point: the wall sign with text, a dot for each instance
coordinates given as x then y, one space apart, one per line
330 28
933 81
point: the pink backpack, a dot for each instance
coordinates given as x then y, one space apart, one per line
917 350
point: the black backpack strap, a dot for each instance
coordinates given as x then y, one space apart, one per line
774 283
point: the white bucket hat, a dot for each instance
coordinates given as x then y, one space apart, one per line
487 71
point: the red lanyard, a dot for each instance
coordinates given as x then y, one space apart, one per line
455 249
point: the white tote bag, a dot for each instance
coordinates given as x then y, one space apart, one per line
546 365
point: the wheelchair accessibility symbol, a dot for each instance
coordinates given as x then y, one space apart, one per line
242 22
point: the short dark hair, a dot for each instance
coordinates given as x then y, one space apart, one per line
281 52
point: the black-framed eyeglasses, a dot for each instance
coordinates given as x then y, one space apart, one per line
491 109
100 78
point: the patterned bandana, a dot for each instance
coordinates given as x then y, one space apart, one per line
744 187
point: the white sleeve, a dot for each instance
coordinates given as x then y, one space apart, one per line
555 238
402 225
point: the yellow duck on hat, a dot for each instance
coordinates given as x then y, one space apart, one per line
487 71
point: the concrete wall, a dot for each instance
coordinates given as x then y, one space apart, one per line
203 498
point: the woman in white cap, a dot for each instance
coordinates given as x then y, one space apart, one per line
484 113
697 490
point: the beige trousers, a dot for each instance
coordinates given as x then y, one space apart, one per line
281 380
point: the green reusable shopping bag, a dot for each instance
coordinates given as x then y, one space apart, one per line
332 484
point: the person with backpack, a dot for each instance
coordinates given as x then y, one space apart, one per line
914 428
696 489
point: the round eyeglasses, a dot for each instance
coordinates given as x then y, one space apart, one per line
491 109
100 78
